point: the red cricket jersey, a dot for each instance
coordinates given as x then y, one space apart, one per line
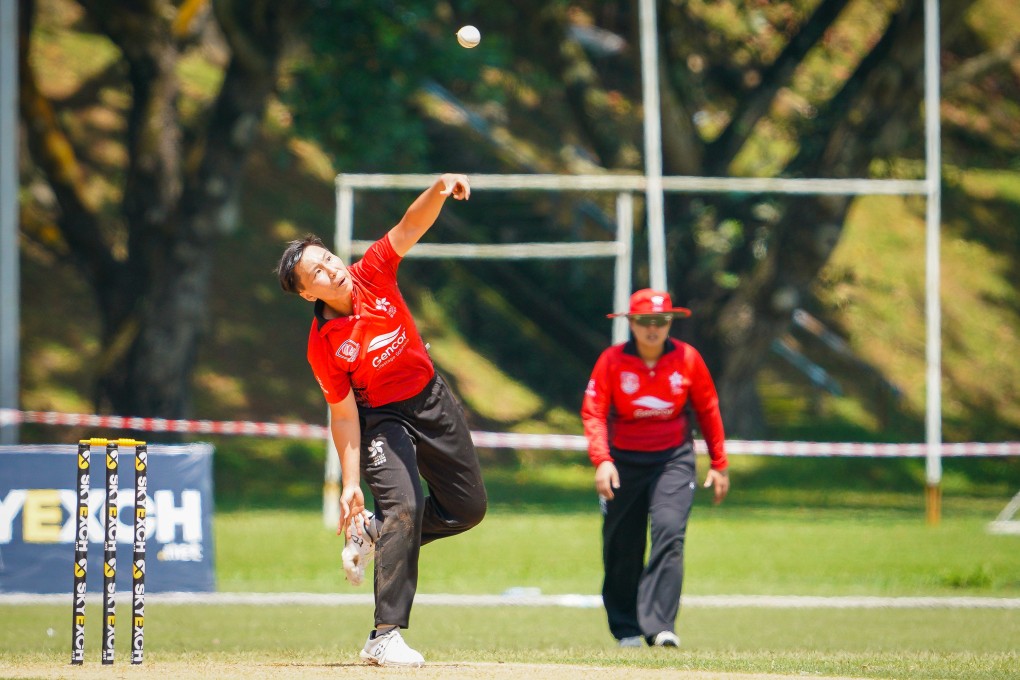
636 408
376 351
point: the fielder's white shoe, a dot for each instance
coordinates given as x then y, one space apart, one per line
666 639
358 551
389 649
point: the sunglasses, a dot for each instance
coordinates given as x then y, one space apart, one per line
656 320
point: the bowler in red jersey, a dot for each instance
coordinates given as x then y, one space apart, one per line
392 417
637 419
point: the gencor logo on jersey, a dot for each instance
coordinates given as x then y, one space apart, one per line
653 407
349 350
391 344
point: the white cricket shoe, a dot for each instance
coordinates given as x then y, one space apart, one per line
389 649
666 639
358 551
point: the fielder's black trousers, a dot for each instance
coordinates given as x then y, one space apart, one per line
644 599
424 436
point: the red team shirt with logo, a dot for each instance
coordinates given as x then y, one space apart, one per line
376 351
632 407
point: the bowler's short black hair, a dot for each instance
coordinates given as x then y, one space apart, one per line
289 260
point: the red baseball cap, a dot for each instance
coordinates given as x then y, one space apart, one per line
649 301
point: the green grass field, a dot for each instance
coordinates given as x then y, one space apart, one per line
858 643
729 551
543 532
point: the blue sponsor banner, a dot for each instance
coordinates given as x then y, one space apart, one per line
38 503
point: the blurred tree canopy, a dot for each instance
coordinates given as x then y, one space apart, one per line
142 232
826 88
819 88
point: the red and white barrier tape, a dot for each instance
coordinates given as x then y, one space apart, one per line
501 440
289 430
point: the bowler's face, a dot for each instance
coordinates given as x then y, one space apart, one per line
322 276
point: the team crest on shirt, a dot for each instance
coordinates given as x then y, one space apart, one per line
384 305
677 382
629 382
349 350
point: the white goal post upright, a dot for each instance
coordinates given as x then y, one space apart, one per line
10 266
654 199
933 276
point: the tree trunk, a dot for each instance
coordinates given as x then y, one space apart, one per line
153 297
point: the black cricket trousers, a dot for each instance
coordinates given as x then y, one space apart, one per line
427 436
644 599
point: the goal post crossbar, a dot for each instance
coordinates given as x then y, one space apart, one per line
639 183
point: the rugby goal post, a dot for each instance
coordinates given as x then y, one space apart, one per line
621 247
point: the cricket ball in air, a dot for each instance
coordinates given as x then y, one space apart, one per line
468 36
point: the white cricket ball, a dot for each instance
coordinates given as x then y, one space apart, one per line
468 36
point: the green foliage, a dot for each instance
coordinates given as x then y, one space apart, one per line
873 287
268 473
352 89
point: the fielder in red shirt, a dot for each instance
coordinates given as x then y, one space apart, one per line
637 418
392 417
